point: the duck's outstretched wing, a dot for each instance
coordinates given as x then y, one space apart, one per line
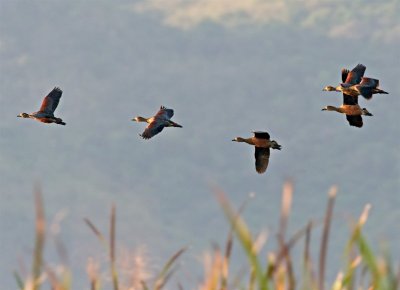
262 159
355 120
164 113
368 82
345 73
50 102
355 75
152 129
261 135
350 100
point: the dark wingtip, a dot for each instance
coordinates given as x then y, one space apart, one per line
144 137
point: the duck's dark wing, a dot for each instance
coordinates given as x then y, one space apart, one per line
262 159
152 129
164 113
350 100
51 101
355 75
345 72
368 82
355 120
261 135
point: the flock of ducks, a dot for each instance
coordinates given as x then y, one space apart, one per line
353 84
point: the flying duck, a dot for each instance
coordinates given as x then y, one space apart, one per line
157 122
355 84
351 109
262 143
46 111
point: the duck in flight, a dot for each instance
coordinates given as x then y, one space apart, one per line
355 84
157 123
262 143
351 109
46 111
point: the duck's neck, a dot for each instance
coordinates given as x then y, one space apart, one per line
332 108
245 140
141 119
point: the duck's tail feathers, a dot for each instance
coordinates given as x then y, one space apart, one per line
275 145
379 91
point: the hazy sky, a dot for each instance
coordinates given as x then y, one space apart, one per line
226 68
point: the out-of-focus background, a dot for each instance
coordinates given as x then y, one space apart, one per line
226 68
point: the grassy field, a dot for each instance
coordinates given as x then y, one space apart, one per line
364 269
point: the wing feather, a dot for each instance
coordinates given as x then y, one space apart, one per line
345 72
152 129
355 120
355 75
262 159
261 135
369 82
350 100
164 113
50 102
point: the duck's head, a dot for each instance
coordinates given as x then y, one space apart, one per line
238 139
139 119
365 112
23 115
329 89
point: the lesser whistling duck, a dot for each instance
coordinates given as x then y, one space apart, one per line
262 143
352 110
157 122
355 84
46 111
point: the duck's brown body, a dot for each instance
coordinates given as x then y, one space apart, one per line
262 143
352 110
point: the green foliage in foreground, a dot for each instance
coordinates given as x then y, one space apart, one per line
364 270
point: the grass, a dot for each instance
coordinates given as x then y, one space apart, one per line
363 270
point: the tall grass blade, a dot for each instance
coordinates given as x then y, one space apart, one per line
98 234
40 226
245 238
114 273
167 270
19 280
287 196
325 237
